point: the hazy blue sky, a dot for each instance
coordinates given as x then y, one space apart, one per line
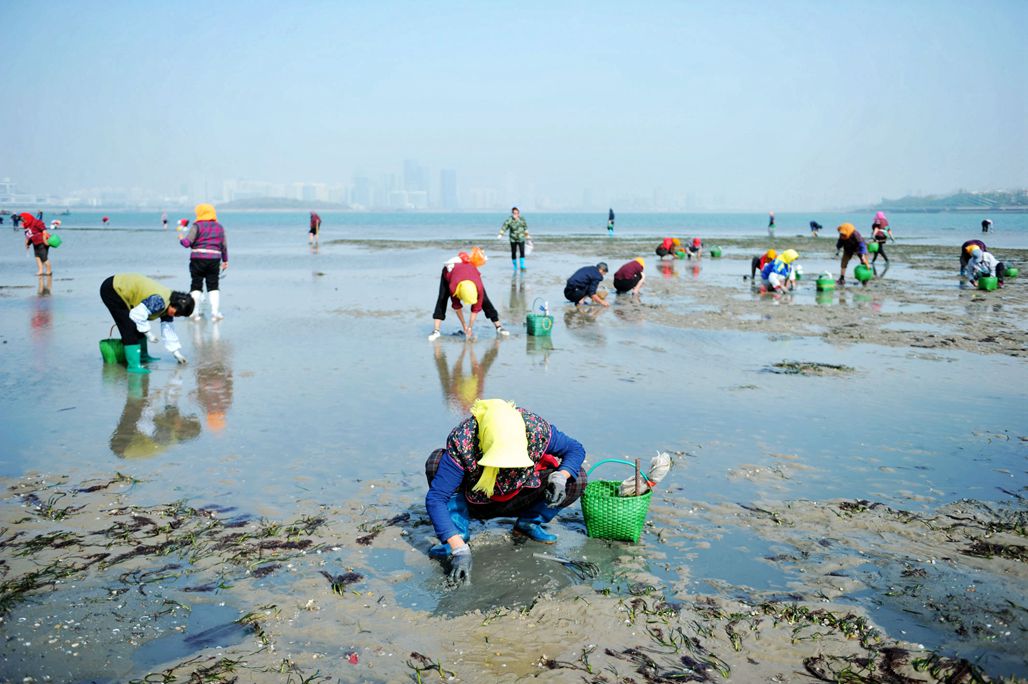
753 105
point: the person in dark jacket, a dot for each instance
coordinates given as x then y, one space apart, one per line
208 256
850 242
583 284
501 462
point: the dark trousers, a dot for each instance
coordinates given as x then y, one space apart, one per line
119 312
525 500
574 294
880 252
204 269
444 293
42 252
622 285
754 266
516 247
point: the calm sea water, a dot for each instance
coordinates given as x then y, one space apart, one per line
1009 230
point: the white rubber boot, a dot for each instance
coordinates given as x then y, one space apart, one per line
215 297
197 298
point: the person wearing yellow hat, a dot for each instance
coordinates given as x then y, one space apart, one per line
758 263
208 256
983 263
965 253
501 462
850 242
779 275
630 277
461 282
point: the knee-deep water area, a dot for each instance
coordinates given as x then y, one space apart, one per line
846 502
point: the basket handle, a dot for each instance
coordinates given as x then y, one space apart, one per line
615 460
537 299
111 331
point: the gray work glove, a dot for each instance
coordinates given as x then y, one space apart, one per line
555 488
460 566
179 357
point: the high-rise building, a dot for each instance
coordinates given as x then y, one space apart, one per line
414 176
448 198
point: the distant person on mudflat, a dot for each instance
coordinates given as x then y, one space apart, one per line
983 264
36 237
850 243
315 229
517 230
208 257
630 277
986 225
815 228
164 219
965 253
695 249
771 224
881 233
610 222
668 247
758 263
461 283
583 283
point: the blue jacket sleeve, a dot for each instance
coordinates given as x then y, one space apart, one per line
445 483
570 451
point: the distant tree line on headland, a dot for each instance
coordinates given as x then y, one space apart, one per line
962 200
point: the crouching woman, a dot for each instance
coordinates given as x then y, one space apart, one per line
134 300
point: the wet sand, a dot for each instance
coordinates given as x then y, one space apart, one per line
847 497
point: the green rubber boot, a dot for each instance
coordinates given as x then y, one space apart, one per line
132 352
144 353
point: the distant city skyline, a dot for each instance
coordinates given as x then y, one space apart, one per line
718 106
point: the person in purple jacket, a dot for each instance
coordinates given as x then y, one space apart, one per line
208 257
501 462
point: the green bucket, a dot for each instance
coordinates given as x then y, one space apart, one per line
54 241
863 273
988 283
825 284
610 516
715 252
112 350
539 324
1010 272
873 247
680 253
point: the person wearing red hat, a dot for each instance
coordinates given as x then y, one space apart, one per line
35 235
695 249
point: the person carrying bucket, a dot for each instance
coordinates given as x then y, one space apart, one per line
134 300
208 256
779 275
850 242
881 233
36 237
501 462
517 230
461 282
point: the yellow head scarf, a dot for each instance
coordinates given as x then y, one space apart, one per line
846 229
789 256
771 254
502 438
642 262
970 249
467 293
205 212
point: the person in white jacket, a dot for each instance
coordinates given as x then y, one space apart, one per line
134 300
983 263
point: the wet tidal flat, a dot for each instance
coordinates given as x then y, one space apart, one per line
846 501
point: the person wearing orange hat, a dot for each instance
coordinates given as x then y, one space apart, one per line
850 242
501 462
461 282
208 257
630 277
36 237
758 263
668 247
965 253
983 263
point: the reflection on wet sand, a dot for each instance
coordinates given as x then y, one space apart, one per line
151 421
667 268
462 387
518 304
213 370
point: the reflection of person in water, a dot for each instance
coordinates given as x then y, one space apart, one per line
151 422
213 377
459 388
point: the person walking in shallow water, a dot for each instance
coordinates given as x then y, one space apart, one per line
986 225
502 462
610 222
36 237
517 229
771 224
315 230
208 256
881 233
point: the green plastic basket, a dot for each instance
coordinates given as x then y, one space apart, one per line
863 273
825 284
538 325
609 516
988 283
873 247
715 252
1011 272
54 241
112 350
